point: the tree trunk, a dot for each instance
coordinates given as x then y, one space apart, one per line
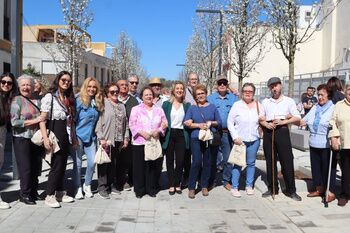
240 82
291 79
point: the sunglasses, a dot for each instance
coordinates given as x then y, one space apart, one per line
9 83
66 80
248 92
222 83
134 83
114 92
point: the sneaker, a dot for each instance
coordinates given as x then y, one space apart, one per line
228 187
4 205
127 187
103 194
79 195
87 190
61 196
191 194
249 191
51 201
115 191
235 193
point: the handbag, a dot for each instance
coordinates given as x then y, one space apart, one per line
216 136
260 129
101 156
153 149
238 155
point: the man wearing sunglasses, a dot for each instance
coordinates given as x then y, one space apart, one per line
133 81
223 99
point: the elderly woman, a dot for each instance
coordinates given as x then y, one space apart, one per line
202 116
243 123
25 118
89 104
8 89
176 138
58 109
112 132
146 121
340 141
317 120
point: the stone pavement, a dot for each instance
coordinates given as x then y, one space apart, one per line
219 212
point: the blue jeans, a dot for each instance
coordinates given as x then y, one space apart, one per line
252 149
201 158
225 149
89 150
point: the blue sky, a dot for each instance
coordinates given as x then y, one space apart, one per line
161 28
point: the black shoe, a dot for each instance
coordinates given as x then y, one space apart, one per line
171 192
295 197
103 194
138 196
178 191
268 193
27 200
153 195
36 197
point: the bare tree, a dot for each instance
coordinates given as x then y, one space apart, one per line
245 37
73 40
286 32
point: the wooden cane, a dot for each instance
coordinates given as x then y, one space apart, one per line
273 163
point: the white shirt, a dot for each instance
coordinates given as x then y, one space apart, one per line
177 116
279 109
243 122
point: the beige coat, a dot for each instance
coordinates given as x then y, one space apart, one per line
340 123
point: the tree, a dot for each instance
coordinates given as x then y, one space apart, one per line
125 58
287 34
31 70
245 36
73 40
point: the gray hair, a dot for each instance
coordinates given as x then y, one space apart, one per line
26 77
133 76
194 73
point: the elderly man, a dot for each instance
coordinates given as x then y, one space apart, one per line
277 112
156 86
223 99
124 169
133 81
193 80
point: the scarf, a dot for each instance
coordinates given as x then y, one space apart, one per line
319 112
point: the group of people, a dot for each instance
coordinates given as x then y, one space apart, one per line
196 132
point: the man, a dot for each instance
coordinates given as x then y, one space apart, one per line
277 112
309 100
133 81
125 159
191 83
223 99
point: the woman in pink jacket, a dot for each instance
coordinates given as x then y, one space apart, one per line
146 121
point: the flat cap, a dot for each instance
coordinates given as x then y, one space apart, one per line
273 80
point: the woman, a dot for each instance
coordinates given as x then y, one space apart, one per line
25 119
112 132
60 102
39 90
8 89
146 121
317 121
243 123
176 138
202 116
336 87
89 104
340 141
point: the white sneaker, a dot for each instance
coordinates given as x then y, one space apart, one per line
235 193
51 201
87 190
249 191
61 196
4 205
79 195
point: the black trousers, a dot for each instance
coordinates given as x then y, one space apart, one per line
107 172
319 158
345 172
175 153
144 172
124 168
28 158
283 153
187 164
59 159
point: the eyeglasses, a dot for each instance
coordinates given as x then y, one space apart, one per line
66 80
134 83
114 92
9 83
248 92
222 83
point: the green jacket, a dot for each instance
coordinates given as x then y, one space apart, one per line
167 105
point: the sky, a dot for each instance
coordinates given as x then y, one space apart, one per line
161 28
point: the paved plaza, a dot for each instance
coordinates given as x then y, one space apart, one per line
219 212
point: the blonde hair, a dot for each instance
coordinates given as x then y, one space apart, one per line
85 98
173 91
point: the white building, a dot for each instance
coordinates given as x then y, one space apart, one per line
5 43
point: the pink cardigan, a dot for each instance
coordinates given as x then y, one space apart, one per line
140 121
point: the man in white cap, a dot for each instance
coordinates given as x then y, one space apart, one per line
276 114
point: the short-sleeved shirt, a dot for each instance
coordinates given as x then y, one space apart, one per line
59 111
279 109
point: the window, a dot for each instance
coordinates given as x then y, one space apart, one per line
102 74
95 72
6 67
86 70
7 16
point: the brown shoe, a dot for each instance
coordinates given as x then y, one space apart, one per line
315 194
330 198
342 201
205 192
228 187
191 194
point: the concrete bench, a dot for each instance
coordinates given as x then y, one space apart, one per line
299 139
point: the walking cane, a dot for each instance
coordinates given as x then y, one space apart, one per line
273 163
328 179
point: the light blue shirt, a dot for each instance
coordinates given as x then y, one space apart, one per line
319 139
223 104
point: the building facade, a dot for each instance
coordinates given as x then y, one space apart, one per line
5 43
